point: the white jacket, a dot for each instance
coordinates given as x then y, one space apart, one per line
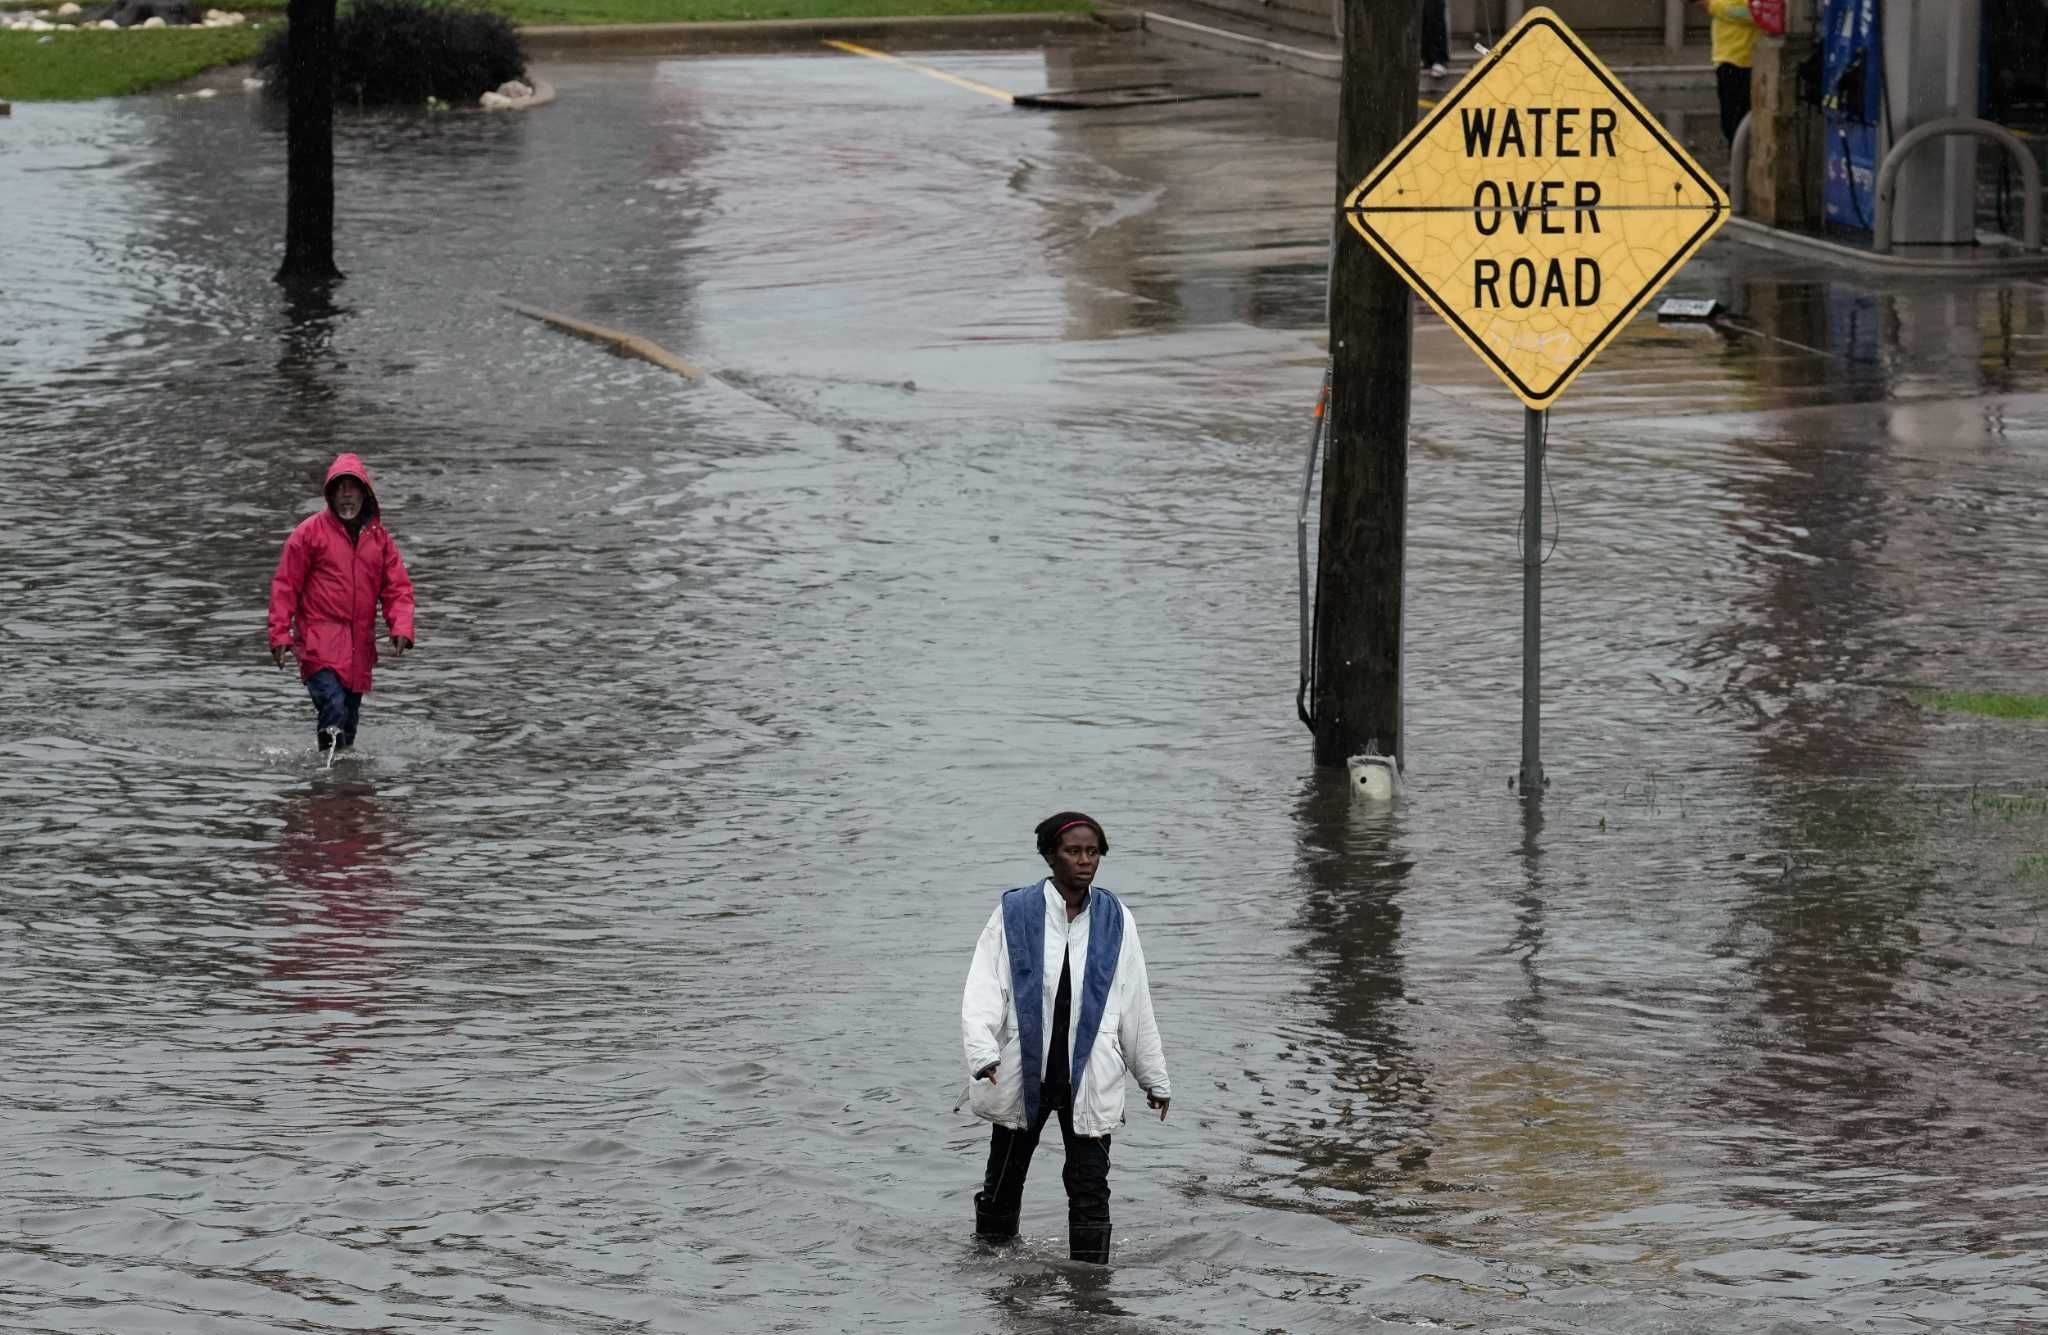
1127 1040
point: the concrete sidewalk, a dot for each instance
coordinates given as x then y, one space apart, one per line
1301 35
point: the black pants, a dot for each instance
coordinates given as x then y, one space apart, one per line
339 707
1436 33
1732 83
1086 1173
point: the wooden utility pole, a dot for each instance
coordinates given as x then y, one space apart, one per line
309 145
1357 696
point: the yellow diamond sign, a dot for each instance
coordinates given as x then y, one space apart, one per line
1537 207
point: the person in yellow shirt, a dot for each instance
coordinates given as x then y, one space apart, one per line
1734 33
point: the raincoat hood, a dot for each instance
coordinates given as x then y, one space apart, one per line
348 465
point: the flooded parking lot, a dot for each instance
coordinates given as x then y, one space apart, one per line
615 987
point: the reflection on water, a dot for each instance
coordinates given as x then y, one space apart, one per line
613 986
1369 1140
338 855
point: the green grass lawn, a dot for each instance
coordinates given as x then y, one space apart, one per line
1990 704
89 63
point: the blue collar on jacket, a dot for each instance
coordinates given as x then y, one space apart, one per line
1024 928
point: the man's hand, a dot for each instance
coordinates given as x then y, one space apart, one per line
399 644
278 653
1154 1101
988 1072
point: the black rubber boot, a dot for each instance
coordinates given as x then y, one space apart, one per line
1090 1242
992 1227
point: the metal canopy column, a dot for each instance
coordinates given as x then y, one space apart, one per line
1930 72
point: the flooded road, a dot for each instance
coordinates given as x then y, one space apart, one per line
615 987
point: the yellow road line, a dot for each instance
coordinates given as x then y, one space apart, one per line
954 79
620 342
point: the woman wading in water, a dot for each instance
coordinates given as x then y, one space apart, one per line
1056 1011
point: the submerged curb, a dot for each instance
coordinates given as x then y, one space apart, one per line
770 33
618 340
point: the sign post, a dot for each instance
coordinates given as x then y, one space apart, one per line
1535 426
1536 209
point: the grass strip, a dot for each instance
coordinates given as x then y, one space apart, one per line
93 62
1988 704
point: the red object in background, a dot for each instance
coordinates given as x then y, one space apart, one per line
1768 15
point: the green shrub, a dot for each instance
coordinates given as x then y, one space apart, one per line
402 52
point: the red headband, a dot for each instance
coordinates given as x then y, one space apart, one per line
1072 823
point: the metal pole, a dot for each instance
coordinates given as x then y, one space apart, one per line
1674 25
1308 482
1535 425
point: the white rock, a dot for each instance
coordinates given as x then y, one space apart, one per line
155 21
207 92
252 84
66 10
515 90
40 25
108 23
494 101
44 41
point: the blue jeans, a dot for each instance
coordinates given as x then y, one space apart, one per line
338 708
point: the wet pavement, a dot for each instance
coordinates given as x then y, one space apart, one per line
615 986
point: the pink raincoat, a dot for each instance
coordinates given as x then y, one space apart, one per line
324 597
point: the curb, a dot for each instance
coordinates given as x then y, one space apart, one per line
1766 237
1299 59
772 33
618 341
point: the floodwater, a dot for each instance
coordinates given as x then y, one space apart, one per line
614 988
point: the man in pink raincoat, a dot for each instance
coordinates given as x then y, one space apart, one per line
338 567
